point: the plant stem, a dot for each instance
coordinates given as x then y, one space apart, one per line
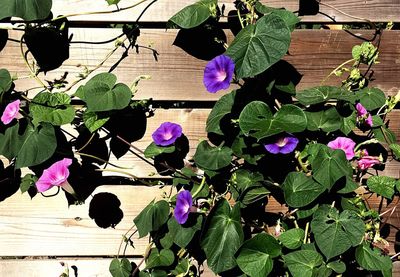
337 68
127 173
240 18
100 159
124 236
203 181
306 233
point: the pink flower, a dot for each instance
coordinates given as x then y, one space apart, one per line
367 161
56 175
362 115
345 144
10 112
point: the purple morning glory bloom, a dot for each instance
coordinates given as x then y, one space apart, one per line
183 207
167 133
283 145
218 73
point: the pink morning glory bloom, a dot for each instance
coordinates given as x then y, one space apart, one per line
167 133
283 145
218 73
56 175
11 112
363 115
345 144
184 205
367 162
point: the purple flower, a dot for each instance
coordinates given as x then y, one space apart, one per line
167 133
183 206
283 145
218 73
10 112
345 144
363 115
56 175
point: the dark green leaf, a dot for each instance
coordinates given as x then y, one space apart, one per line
382 185
27 181
195 14
26 9
269 36
348 124
384 134
292 238
246 151
182 268
300 190
163 258
53 108
93 122
335 233
372 98
153 150
33 147
396 150
290 18
222 237
212 158
256 254
121 268
152 217
220 109
167 241
5 80
372 259
306 213
327 121
182 235
303 262
323 94
247 187
102 94
338 266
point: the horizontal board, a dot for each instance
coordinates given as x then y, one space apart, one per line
178 76
161 11
53 267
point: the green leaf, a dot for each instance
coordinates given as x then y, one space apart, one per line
27 181
113 2
220 109
121 268
152 217
182 268
153 150
212 158
247 187
396 150
290 18
195 14
5 80
382 185
329 166
292 238
338 266
167 241
327 121
257 120
384 134
303 262
53 108
102 94
33 147
26 9
348 124
300 190
269 36
222 237
306 213
244 147
372 98
255 255
165 257
323 94
335 233
93 122
182 235
371 259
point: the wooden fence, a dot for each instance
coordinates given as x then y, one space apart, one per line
36 235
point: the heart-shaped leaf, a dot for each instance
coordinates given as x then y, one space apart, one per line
327 121
302 263
165 257
382 185
212 158
5 81
26 9
121 268
292 238
153 150
152 217
220 109
195 14
372 98
322 94
183 234
372 259
269 36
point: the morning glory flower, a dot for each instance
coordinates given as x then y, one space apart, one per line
367 162
283 145
184 205
56 175
218 73
345 144
11 112
167 133
363 115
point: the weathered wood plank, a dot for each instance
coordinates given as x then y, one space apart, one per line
161 11
179 76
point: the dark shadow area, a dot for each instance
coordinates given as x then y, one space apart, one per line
104 210
3 38
91 144
10 178
203 42
308 7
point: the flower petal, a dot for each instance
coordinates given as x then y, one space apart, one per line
10 112
184 202
55 175
291 144
218 73
345 144
167 134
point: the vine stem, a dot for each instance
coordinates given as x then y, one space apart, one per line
100 159
306 233
127 173
146 254
100 12
122 240
337 68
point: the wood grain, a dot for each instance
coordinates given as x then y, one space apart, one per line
161 11
178 76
